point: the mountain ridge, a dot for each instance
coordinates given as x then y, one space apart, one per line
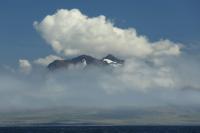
86 60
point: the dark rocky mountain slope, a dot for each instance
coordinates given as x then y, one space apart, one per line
83 61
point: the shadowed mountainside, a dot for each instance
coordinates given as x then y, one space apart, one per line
84 61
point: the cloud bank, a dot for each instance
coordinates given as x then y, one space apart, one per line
137 84
69 32
155 73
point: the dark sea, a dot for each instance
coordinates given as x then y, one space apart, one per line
101 129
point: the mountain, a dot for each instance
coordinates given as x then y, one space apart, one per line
83 61
112 58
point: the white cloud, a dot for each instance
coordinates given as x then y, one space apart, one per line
69 32
48 59
135 84
25 66
150 64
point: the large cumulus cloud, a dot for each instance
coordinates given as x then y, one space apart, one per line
69 32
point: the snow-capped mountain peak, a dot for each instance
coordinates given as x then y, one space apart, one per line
109 61
85 61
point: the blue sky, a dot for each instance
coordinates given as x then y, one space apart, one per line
175 20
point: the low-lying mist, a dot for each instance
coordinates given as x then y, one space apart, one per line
138 83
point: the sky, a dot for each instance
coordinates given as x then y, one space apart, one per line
175 20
